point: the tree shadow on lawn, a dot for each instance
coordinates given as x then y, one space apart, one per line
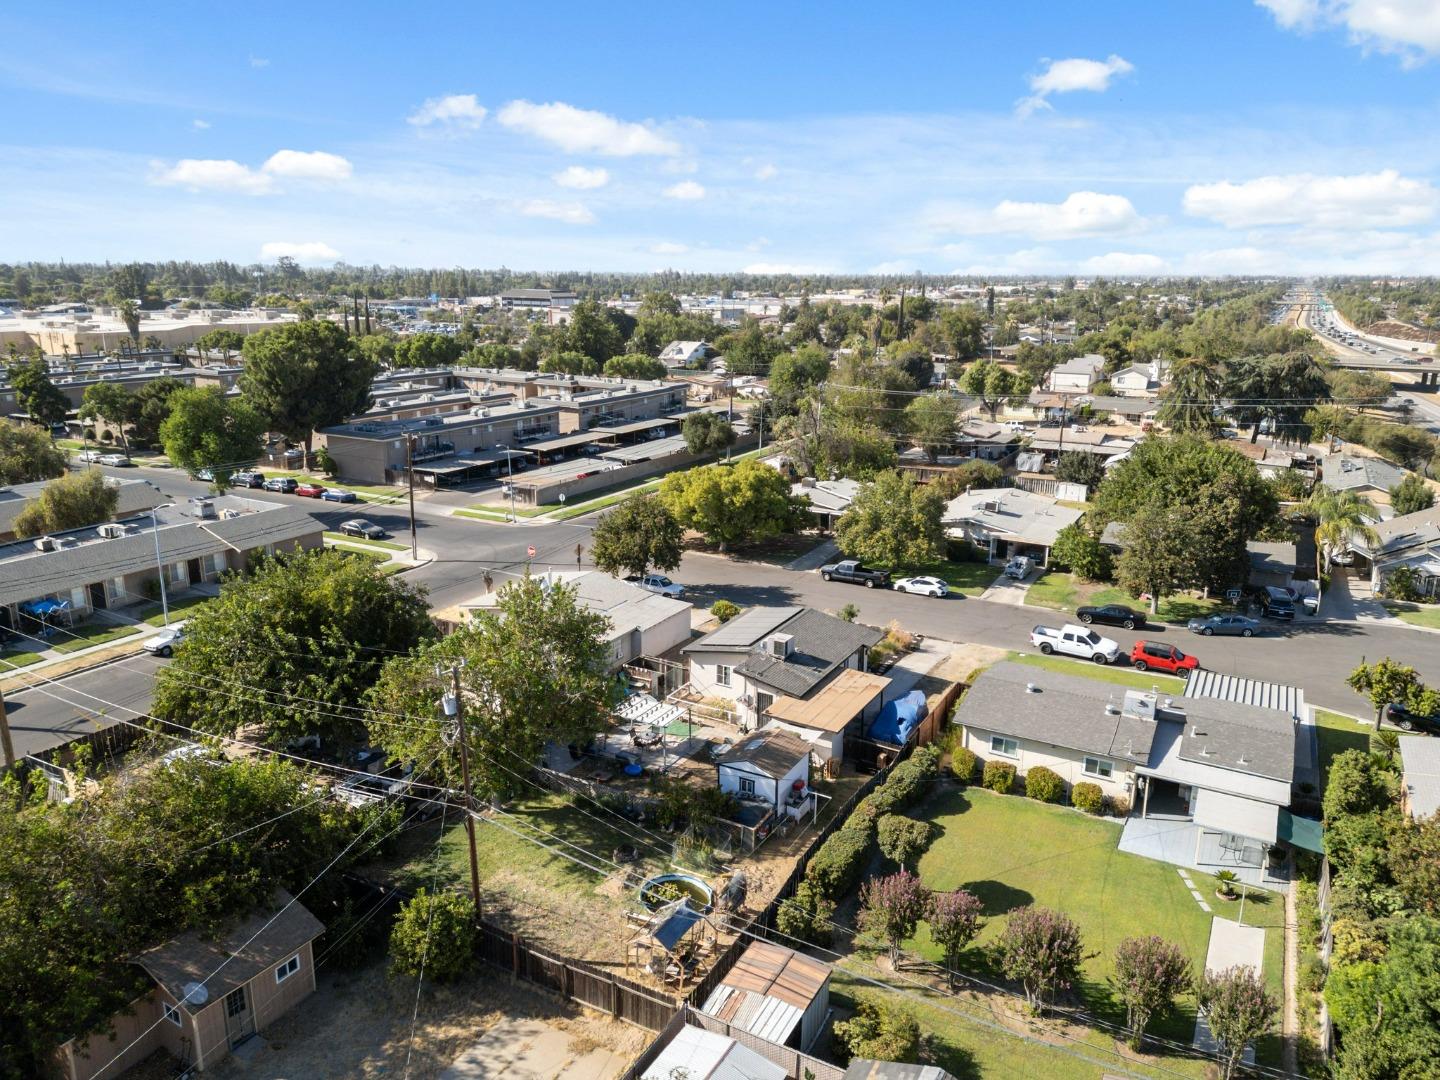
999 898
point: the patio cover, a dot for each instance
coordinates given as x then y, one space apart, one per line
1302 832
1233 814
833 707
45 607
644 709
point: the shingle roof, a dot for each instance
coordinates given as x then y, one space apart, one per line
1349 472
820 643
1242 738
1421 759
1011 512
772 752
1420 529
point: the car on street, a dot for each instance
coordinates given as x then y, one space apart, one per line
1077 641
856 573
1239 625
248 478
660 584
310 491
91 455
286 485
1146 655
339 495
364 530
1407 719
166 642
925 586
1277 603
1111 615
208 475
113 459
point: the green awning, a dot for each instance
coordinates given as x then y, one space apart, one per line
1302 832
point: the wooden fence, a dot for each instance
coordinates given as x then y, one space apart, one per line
1327 945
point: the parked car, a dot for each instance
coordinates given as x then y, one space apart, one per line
852 571
207 475
1406 719
659 583
1111 615
1072 640
113 459
91 455
1241 625
1019 567
365 530
284 484
310 491
248 478
1276 603
166 642
339 495
1156 654
925 586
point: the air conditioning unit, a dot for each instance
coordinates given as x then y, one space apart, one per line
44 543
204 508
226 515
780 646
113 530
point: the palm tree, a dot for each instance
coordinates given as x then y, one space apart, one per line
129 314
1188 402
1341 519
1386 742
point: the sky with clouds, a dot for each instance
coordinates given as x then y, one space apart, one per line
1118 137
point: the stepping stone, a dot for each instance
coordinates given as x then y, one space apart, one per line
1204 906
1198 898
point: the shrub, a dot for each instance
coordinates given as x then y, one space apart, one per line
848 613
907 784
904 839
836 867
928 758
724 610
1044 785
878 1031
434 934
998 776
962 764
806 915
1120 805
1088 797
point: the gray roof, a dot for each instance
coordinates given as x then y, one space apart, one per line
1266 558
866 1069
133 495
1204 683
1420 757
1242 738
772 752
1065 710
1025 516
1420 529
1351 472
821 643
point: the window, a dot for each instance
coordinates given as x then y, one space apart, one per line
1001 745
1098 767
722 675
747 786
170 1012
288 968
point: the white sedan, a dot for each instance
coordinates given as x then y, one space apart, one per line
925 586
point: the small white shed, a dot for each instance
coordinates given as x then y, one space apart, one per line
765 768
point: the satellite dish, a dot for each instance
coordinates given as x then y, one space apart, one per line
196 993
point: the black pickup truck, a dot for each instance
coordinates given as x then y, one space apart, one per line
850 570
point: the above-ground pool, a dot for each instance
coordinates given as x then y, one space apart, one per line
700 895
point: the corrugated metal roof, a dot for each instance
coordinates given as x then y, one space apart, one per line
1212 684
768 990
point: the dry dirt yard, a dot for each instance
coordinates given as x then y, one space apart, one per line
358 1024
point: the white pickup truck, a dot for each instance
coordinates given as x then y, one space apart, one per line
1072 640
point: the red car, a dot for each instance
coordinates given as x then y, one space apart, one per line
310 491
1154 654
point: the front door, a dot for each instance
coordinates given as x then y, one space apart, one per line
197 574
239 1020
97 596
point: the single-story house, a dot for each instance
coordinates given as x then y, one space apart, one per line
1054 441
1420 776
1226 766
1135 410
697 1054
210 994
1008 521
642 623
1411 540
1372 477
1271 564
829 499
776 993
823 719
771 768
1076 376
767 653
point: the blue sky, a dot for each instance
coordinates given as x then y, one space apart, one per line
1233 136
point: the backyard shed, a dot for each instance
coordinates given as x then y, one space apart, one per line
821 720
775 993
768 767
706 1055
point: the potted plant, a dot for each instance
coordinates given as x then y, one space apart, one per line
1226 880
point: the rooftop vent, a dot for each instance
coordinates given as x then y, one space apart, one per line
44 543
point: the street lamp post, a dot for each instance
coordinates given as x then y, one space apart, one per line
160 566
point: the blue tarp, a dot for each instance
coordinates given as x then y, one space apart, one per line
676 925
898 719
44 607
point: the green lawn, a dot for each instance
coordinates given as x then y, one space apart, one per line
1013 852
386 544
18 658
1336 733
1064 593
88 634
967 578
154 614
1120 676
1427 615
555 511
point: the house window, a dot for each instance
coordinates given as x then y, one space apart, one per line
1001 745
288 968
1098 767
170 1012
722 675
747 786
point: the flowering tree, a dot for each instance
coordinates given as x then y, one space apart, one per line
1238 1009
1041 950
1150 973
954 919
891 907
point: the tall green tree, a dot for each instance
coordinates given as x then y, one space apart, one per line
707 433
1081 467
748 350
638 534
634 366
592 332
41 399
72 501
112 404
1159 545
27 454
129 313
794 374
425 350
933 421
1189 401
152 408
731 504
993 385
963 331
893 522
1387 681
1411 495
207 430
222 340
303 376
293 646
1342 518
570 362
534 671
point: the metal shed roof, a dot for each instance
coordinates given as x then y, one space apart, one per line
1213 684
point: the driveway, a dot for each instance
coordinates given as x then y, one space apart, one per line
1006 590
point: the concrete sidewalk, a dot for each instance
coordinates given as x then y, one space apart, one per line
1231 945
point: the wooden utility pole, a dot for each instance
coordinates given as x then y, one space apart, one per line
410 480
5 743
455 701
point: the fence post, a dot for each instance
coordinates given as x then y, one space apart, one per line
514 956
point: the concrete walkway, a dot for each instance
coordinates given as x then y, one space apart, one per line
1231 945
828 551
532 1050
1005 590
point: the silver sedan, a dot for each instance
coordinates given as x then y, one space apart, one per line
1238 625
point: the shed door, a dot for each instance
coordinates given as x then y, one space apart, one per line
239 1020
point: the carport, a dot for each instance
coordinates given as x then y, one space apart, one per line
458 469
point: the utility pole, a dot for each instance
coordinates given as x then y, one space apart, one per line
579 551
410 480
5 743
454 705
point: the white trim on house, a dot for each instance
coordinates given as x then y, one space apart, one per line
288 968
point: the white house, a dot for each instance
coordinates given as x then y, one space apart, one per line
829 499
1139 380
1076 376
1420 776
698 1054
1008 521
680 354
770 652
766 768
1411 540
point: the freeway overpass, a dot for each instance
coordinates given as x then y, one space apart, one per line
1368 353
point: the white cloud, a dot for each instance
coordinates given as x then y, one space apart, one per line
1083 213
766 172
583 131
581 178
1407 28
455 112
306 251
685 190
211 174
1134 263
200 125
1384 199
572 213
308 165
259 62
1068 76
667 248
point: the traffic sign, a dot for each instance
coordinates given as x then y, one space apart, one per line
530 550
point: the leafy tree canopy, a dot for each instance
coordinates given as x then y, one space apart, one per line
425 350
893 522
639 533
634 366
27 454
303 376
205 429
731 504
707 433
69 502
1411 495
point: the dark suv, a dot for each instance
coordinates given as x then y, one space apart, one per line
1403 717
1276 603
284 484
